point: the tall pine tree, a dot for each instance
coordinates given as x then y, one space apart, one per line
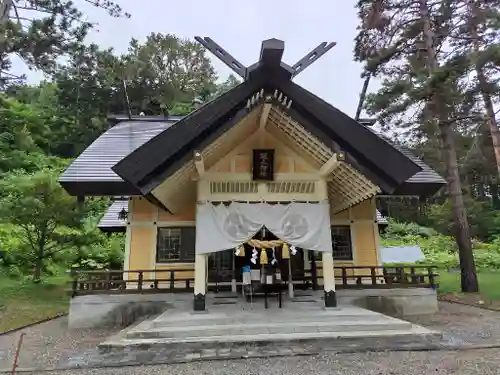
403 42
40 31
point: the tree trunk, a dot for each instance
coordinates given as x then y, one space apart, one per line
37 272
461 225
494 192
362 96
484 86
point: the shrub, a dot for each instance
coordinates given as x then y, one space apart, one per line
440 250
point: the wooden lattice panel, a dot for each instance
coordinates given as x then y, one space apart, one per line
242 187
291 187
346 186
298 135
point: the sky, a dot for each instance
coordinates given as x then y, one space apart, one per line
240 27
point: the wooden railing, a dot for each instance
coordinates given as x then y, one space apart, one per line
137 281
376 277
176 281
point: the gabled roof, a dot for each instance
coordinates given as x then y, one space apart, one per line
91 173
150 164
167 152
135 157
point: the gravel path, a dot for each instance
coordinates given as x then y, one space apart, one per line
48 344
480 362
51 344
462 324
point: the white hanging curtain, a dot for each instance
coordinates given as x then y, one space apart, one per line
220 227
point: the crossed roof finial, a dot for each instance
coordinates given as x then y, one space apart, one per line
270 55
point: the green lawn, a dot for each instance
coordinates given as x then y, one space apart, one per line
489 286
23 302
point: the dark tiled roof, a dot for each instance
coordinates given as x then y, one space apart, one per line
426 175
110 219
94 164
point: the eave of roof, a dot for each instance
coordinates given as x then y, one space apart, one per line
427 182
165 153
91 174
355 139
110 222
183 137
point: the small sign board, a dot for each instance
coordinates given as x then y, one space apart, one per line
263 164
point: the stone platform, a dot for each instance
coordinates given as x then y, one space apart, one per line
230 323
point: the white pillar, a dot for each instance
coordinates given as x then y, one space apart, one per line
233 280
329 279
200 282
290 279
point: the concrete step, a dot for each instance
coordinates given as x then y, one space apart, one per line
173 319
251 320
331 340
266 327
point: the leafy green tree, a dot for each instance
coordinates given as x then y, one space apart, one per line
163 74
49 219
26 135
40 31
164 70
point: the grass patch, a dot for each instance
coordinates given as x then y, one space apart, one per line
23 302
489 288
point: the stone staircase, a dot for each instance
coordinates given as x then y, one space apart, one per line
238 324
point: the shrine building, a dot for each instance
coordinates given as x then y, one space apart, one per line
266 180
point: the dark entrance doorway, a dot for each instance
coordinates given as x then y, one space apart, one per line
220 264
297 260
220 267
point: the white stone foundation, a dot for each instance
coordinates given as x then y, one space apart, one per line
399 302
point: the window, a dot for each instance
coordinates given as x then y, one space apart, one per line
341 243
175 245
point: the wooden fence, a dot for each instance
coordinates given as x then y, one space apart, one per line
175 281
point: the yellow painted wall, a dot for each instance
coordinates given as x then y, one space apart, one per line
286 160
364 237
364 233
145 219
142 244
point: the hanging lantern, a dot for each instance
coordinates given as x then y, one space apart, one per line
123 214
263 256
285 252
